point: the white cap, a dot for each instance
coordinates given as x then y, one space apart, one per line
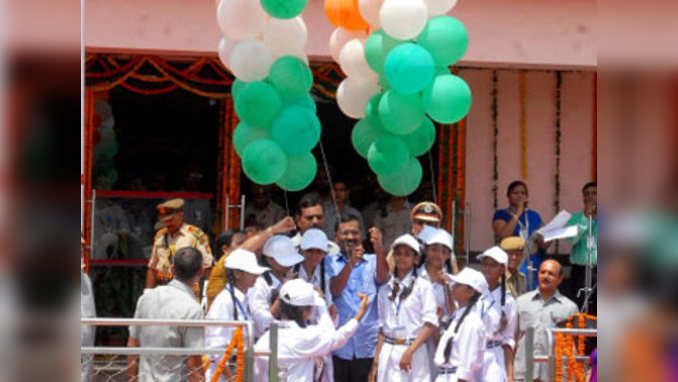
314 238
472 278
440 236
244 260
407 240
282 250
298 292
426 233
495 253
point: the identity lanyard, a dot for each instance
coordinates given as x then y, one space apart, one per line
240 307
524 230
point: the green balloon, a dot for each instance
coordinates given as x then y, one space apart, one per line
365 132
409 68
448 99
291 77
236 87
383 82
401 113
264 162
372 107
420 140
257 104
377 46
303 101
245 134
388 155
296 129
283 9
301 170
445 38
405 181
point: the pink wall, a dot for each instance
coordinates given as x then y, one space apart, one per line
524 33
576 143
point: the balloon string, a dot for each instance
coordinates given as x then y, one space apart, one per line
329 180
433 177
287 204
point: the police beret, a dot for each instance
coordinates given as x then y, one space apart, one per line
427 211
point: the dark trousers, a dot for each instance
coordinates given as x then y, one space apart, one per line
354 370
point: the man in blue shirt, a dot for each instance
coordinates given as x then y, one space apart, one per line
353 272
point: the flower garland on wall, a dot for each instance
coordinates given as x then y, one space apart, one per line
565 350
558 99
495 171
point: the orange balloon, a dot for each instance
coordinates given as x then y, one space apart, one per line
345 14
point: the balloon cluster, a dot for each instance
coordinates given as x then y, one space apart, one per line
263 45
398 80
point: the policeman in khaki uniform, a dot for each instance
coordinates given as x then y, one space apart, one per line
173 236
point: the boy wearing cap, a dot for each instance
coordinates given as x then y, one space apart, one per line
459 354
242 270
175 234
516 282
300 345
500 315
280 255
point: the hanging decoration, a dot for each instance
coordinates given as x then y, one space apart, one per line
523 124
397 80
495 133
263 45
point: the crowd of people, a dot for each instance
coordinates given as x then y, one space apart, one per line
382 302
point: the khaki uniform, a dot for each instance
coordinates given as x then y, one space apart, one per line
165 246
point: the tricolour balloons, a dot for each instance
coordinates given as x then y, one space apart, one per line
283 9
296 129
250 60
388 155
264 162
448 99
301 170
353 94
291 77
245 134
439 7
445 38
241 19
372 108
224 50
365 132
403 19
345 14
284 37
377 46
369 10
340 37
257 104
409 68
352 59
420 140
405 181
400 113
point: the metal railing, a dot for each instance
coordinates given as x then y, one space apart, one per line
117 367
550 358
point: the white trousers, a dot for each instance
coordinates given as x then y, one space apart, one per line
494 367
389 365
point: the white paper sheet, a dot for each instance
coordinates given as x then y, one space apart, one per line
559 233
559 221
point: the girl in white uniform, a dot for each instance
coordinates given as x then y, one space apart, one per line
460 350
500 315
407 315
300 345
280 255
242 271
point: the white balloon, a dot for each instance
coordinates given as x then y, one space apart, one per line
403 19
352 59
353 94
369 10
225 47
285 36
439 7
241 19
250 60
340 37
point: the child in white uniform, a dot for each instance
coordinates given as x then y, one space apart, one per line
299 344
407 315
500 315
242 271
460 350
280 255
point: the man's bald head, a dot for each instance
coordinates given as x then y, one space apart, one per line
553 263
550 276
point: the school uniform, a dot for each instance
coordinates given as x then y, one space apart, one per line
440 296
494 366
401 321
467 351
259 300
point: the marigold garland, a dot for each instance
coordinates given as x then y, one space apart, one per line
565 348
495 130
236 342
